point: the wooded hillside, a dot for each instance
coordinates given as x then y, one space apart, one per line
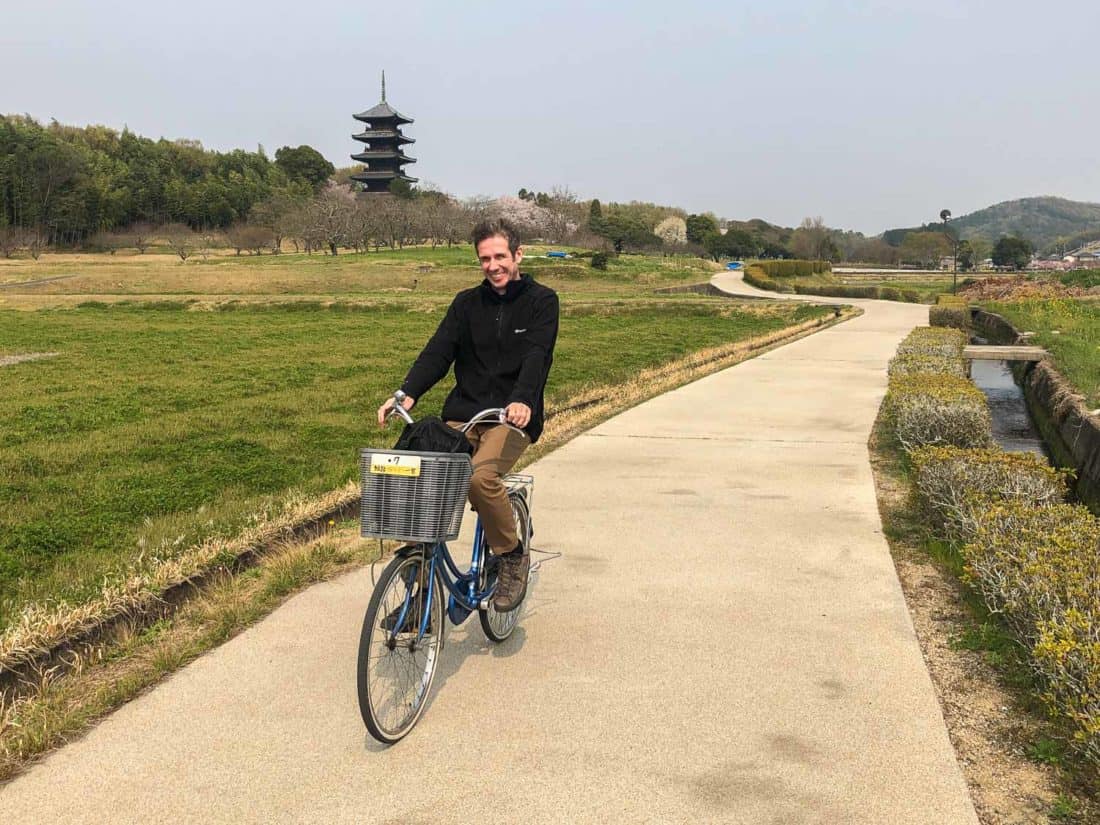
70 182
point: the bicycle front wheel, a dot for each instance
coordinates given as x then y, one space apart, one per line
497 625
396 662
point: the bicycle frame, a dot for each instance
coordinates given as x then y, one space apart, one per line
461 586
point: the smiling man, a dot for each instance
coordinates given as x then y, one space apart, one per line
500 337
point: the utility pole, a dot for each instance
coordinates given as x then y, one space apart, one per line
945 216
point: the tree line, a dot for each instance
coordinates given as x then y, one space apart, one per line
65 184
97 188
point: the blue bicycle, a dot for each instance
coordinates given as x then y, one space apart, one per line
419 498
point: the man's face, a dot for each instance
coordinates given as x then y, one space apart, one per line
498 263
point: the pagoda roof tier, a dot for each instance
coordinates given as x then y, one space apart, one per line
383 134
383 154
389 174
382 112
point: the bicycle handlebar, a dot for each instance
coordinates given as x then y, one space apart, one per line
398 408
496 413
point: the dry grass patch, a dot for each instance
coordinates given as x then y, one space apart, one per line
39 629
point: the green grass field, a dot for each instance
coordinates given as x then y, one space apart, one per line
161 423
1086 278
1070 330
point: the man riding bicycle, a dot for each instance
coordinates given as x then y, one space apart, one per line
500 336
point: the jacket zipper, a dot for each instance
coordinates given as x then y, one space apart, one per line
500 341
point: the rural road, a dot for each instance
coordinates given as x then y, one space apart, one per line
724 639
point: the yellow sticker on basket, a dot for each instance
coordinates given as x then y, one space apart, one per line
395 465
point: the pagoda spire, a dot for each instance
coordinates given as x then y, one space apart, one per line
383 85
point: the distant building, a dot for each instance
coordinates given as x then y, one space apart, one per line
383 153
1085 257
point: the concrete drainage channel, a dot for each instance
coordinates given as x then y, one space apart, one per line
1013 428
1068 432
708 289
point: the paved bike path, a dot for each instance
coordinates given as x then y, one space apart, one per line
723 640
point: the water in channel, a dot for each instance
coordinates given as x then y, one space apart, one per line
1013 428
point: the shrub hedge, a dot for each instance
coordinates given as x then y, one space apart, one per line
956 485
757 277
934 341
837 290
1040 569
949 315
881 293
793 269
913 363
1033 558
893 293
950 311
938 410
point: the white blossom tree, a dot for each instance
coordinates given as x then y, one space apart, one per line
672 230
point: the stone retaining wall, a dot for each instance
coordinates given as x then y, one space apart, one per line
993 327
706 289
1063 412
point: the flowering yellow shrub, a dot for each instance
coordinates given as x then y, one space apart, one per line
957 484
1040 568
1067 653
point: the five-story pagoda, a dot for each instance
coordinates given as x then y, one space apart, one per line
382 155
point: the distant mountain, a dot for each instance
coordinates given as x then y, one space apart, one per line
1047 222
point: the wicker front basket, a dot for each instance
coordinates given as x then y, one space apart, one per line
411 496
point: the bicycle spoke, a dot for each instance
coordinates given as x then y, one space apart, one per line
396 668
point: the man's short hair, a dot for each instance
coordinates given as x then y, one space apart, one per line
493 228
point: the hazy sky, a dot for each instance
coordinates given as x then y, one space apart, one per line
869 114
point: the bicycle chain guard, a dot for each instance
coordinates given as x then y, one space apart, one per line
457 612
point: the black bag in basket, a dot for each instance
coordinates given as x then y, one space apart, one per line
432 435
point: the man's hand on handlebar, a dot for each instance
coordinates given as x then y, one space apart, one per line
517 414
383 411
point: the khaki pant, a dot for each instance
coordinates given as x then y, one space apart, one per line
496 450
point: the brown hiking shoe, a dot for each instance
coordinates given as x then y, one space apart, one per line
512 580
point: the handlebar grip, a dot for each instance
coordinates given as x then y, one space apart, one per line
398 408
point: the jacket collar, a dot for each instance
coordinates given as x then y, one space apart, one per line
512 291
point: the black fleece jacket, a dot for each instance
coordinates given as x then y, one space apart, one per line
501 347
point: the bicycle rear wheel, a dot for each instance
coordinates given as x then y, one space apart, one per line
396 665
498 626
